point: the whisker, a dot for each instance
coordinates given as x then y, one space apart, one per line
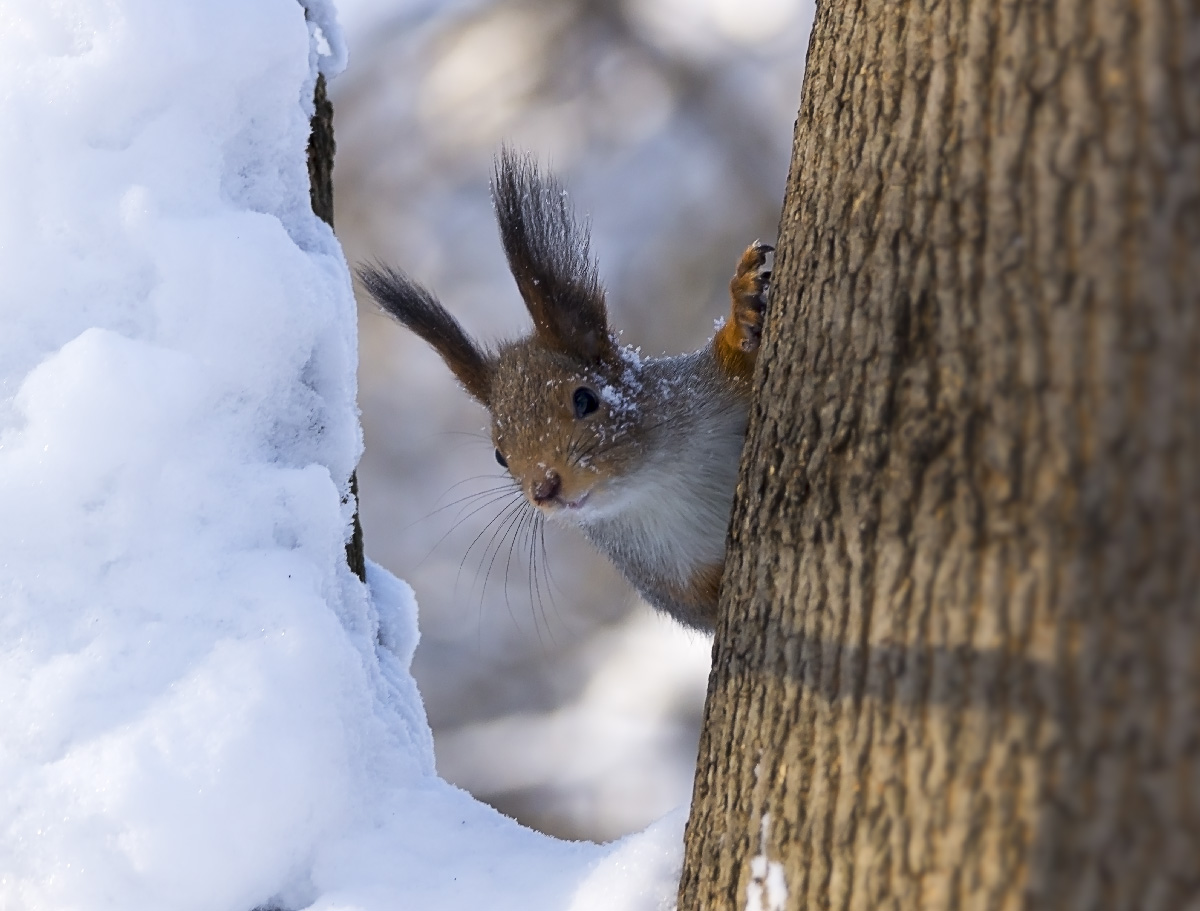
496 476
537 586
501 515
465 439
474 434
502 533
458 521
531 582
471 496
551 581
493 495
504 517
531 518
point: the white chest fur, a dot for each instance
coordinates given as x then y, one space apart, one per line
668 518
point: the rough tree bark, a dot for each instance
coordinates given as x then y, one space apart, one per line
959 660
320 185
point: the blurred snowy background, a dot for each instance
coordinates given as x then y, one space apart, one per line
565 703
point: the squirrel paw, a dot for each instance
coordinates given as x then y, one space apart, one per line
749 289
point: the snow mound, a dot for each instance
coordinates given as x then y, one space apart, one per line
200 706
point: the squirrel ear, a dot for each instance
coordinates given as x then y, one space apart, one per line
548 253
418 310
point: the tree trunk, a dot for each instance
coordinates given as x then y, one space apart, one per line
959 660
320 186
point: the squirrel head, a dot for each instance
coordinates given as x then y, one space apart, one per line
564 399
565 426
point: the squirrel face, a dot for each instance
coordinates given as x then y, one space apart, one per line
565 428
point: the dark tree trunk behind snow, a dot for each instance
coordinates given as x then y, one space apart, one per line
320 178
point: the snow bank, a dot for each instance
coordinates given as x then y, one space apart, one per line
200 706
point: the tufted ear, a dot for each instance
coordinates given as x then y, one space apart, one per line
418 310
548 253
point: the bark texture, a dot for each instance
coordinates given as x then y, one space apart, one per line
959 660
320 182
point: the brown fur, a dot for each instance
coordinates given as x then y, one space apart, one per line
702 591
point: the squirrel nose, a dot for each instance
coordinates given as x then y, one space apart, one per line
546 489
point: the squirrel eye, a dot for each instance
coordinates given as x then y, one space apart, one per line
585 402
500 458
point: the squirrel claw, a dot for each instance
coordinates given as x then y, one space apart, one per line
738 340
748 290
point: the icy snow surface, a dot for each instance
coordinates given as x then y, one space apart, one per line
767 889
200 707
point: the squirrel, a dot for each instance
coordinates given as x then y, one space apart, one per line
640 453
